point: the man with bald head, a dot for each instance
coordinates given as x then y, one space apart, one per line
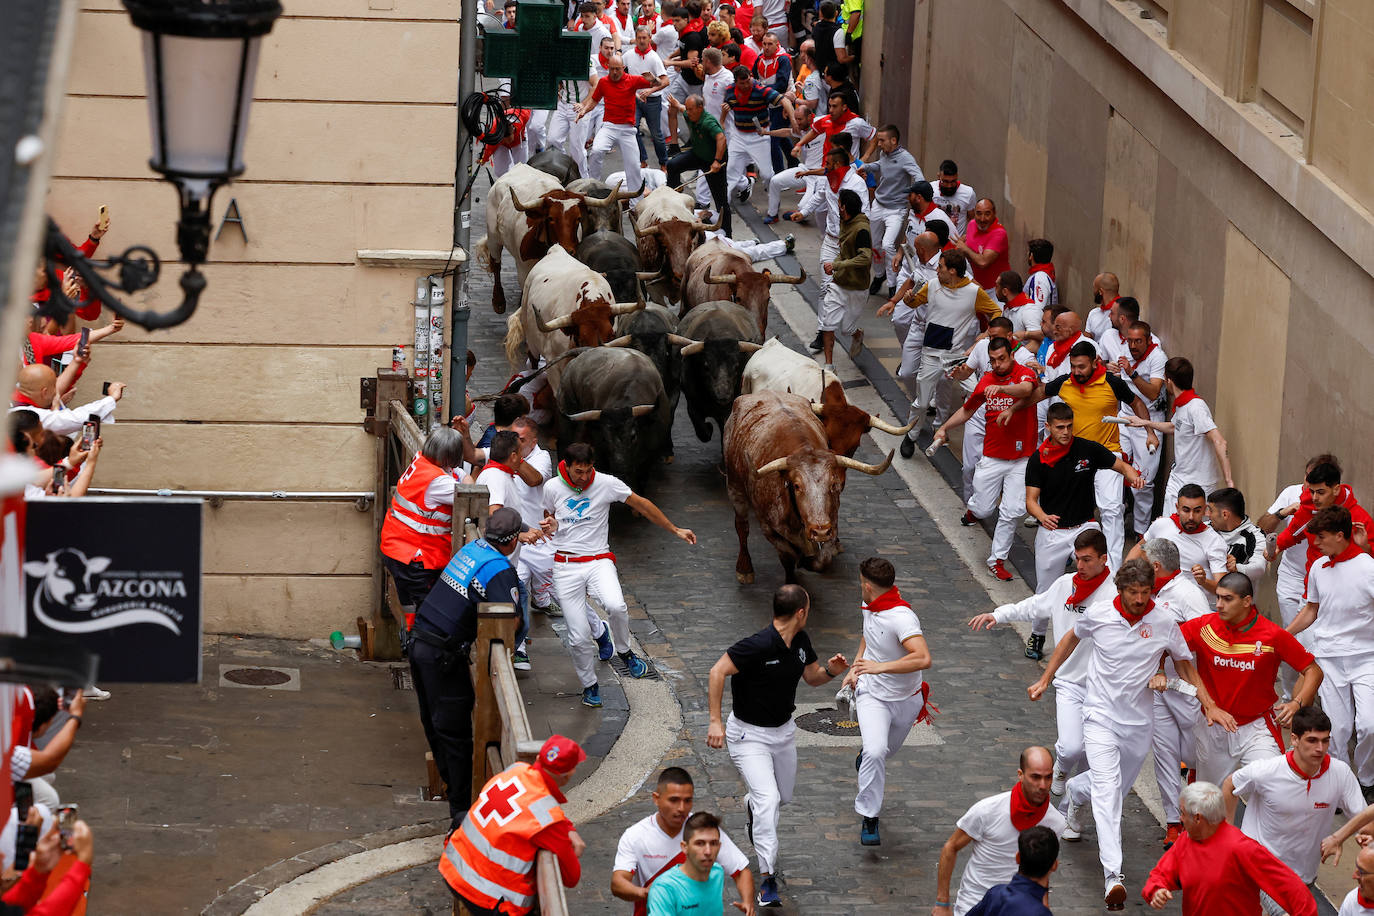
986 246
992 827
1106 287
621 92
36 390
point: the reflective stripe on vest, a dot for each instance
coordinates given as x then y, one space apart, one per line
490 889
442 512
420 526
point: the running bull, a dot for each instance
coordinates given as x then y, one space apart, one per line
614 399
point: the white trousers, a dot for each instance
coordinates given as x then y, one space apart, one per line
1005 478
1112 513
902 315
975 431
536 132
1289 606
746 148
767 761
884 725
1147 463
756 250
535 569
1068 717
573 583
885 223
1176 720
1052 552
503 157
913 347
609 136
933 383
1114 762
569 134
830 250
788 180
1220 753
1347 695
841 308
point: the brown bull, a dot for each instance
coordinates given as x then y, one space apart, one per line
666 228
778 465
717 271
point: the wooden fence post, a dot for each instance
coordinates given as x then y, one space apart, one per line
496 624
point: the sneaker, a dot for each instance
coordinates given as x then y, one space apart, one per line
1000 571
749 822
1115 894
788 214
743 195
858 761
95 693
1073 824
553 610
791 243
1057 781
674 149
520 660
868 833
1172 834
638 666
768 892
856 344
876 285
606 646
891 292
591 696
816 345
908 447
770 219
1035 647
1031 522
968 519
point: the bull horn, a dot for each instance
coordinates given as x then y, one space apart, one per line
748 346
777 464
680 341
618 342
652 230
586 416
720 278
603 201
518 205
625 308
873 469
681 188
693 348
640 410
557 324
784 278
699 226
625 195
647 275
818 409
886 427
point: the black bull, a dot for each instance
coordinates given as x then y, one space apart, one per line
725 336
613 398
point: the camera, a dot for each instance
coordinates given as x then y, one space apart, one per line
26 838
66 820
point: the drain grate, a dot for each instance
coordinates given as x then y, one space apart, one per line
827 721
400 678
623 670
260 677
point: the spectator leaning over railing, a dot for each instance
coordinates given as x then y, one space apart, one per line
50 451
37 390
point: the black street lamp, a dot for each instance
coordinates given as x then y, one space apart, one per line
200 57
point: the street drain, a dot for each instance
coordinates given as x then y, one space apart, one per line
400 678
260 677
827 721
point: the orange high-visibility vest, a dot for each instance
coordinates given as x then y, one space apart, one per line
490 858
414 526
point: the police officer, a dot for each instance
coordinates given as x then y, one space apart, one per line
444 630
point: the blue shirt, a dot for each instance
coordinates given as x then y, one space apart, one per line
1021 897
675 894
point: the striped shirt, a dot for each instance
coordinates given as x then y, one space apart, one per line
749 110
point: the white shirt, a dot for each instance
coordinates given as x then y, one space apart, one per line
1151 367
713 88
502 490
645 851
665 39
957 206
774 11
69 420
584 519
1345 617
1026 317
1195 461
650 65
992 859
1205 548
1041 289
1125 656
830 199
1053 605
811 151
884 631
530 500
1184 599
1350 906
1289 813
1098 322
1292 569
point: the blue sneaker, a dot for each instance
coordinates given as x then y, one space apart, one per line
768 892
605 645
769 220
868 833
591 696
638 666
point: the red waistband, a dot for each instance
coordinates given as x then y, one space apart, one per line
568 558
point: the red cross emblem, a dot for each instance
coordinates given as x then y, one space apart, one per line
497 802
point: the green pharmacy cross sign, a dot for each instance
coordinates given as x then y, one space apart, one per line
537 54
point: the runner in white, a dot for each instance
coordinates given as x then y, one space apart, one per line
1106 285
1062 604
652 846
564 130
1200 549
1244 541
889 690
809 160
1143 369
1200 454
1040 283
953 197
579 500
535 564
992 827
1128 637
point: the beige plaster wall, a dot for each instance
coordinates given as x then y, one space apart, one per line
350 147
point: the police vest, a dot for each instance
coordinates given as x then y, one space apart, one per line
461 586
412 525
490 858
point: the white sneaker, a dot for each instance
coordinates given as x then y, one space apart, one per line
1114 894
1057 781
95 693
1073 827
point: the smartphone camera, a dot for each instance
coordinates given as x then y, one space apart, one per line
66 820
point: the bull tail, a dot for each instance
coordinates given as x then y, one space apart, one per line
515 340
483 256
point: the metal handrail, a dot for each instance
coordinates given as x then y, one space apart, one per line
362 499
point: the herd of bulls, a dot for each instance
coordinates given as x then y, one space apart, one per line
617 364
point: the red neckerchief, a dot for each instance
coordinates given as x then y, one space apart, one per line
836 178
1116 603
1097 375
601 59
498 466
1321 770
1364 901
1107 306
1161 581
644 53
1179 525
693 25
930 208
563 473
1350 552
1082 588
1024 815
1148 350
22 400
1047 268
888 599
1061 349
1018 300
1183 398
1050 452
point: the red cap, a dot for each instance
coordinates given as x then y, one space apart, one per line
560 755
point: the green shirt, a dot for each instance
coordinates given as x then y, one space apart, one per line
675 894
704 133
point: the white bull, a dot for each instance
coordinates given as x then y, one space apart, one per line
666 228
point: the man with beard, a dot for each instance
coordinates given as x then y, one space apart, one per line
1201 551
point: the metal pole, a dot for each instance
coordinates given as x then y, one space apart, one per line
462 216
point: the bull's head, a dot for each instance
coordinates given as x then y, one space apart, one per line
846 424
814 478
722 365
751 288
672 241
66 577
555 219
592 322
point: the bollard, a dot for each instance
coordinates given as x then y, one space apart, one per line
340 641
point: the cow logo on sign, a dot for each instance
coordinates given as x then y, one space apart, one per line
81 594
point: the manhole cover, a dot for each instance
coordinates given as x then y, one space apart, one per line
828 721
256 677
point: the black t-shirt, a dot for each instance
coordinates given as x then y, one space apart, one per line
765 689
823 35
1066 490
692 41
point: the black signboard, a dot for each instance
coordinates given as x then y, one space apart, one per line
119 577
